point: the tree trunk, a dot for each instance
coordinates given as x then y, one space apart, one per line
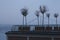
56 22
38 20
43 20
48 21
25 21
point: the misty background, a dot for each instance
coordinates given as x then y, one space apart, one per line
10 13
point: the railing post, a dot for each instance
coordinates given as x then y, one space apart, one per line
52 38
27 37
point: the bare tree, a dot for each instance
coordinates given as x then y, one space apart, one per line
43 10
56 15
24 12
48 15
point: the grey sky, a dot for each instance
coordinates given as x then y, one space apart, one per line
10 10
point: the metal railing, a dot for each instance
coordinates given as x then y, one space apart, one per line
32 27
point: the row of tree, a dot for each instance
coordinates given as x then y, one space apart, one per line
42 10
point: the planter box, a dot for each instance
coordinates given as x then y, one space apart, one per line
56 29
39 29
24 29
59 28
48 29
